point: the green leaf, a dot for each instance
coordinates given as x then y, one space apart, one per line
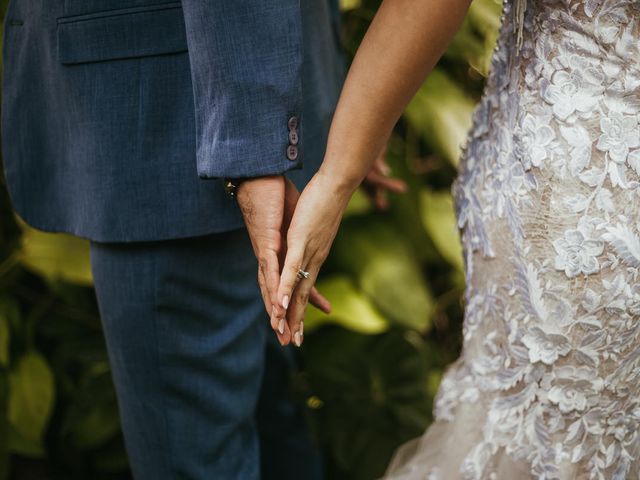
373 392
442 112
31 397
97 427
475 40
405 209
11 312
56 256
91 420
433 382
466 46
385 268
359 204
350 308
438 217
350 4
485 15
23 445
5 333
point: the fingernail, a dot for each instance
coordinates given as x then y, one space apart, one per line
281 326
285 301
302 329
297 339
386 170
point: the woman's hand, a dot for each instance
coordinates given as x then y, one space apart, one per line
312 230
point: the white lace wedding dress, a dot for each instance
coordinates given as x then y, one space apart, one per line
548 200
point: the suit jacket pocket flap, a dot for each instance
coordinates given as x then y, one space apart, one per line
122 33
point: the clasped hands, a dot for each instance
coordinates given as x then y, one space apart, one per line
290 231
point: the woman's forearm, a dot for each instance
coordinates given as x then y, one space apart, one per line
403 43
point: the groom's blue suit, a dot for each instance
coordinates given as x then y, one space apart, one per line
119 118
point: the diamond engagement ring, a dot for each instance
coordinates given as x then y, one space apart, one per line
302 274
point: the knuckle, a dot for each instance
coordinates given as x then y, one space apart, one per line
293 269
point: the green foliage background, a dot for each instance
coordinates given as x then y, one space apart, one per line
371 368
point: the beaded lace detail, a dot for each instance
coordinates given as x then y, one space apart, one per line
548 203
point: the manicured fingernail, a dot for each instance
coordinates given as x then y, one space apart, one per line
302 329
386 170
285 301
281 326
297 339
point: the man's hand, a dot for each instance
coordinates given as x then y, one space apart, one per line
267 205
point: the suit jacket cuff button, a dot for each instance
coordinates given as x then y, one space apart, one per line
292 152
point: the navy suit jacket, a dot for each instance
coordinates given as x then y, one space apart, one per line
121 117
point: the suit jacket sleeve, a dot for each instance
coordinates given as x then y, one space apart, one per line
246 68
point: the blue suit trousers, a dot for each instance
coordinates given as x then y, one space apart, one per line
201 382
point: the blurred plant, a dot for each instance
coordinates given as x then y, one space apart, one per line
371 368
60 416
